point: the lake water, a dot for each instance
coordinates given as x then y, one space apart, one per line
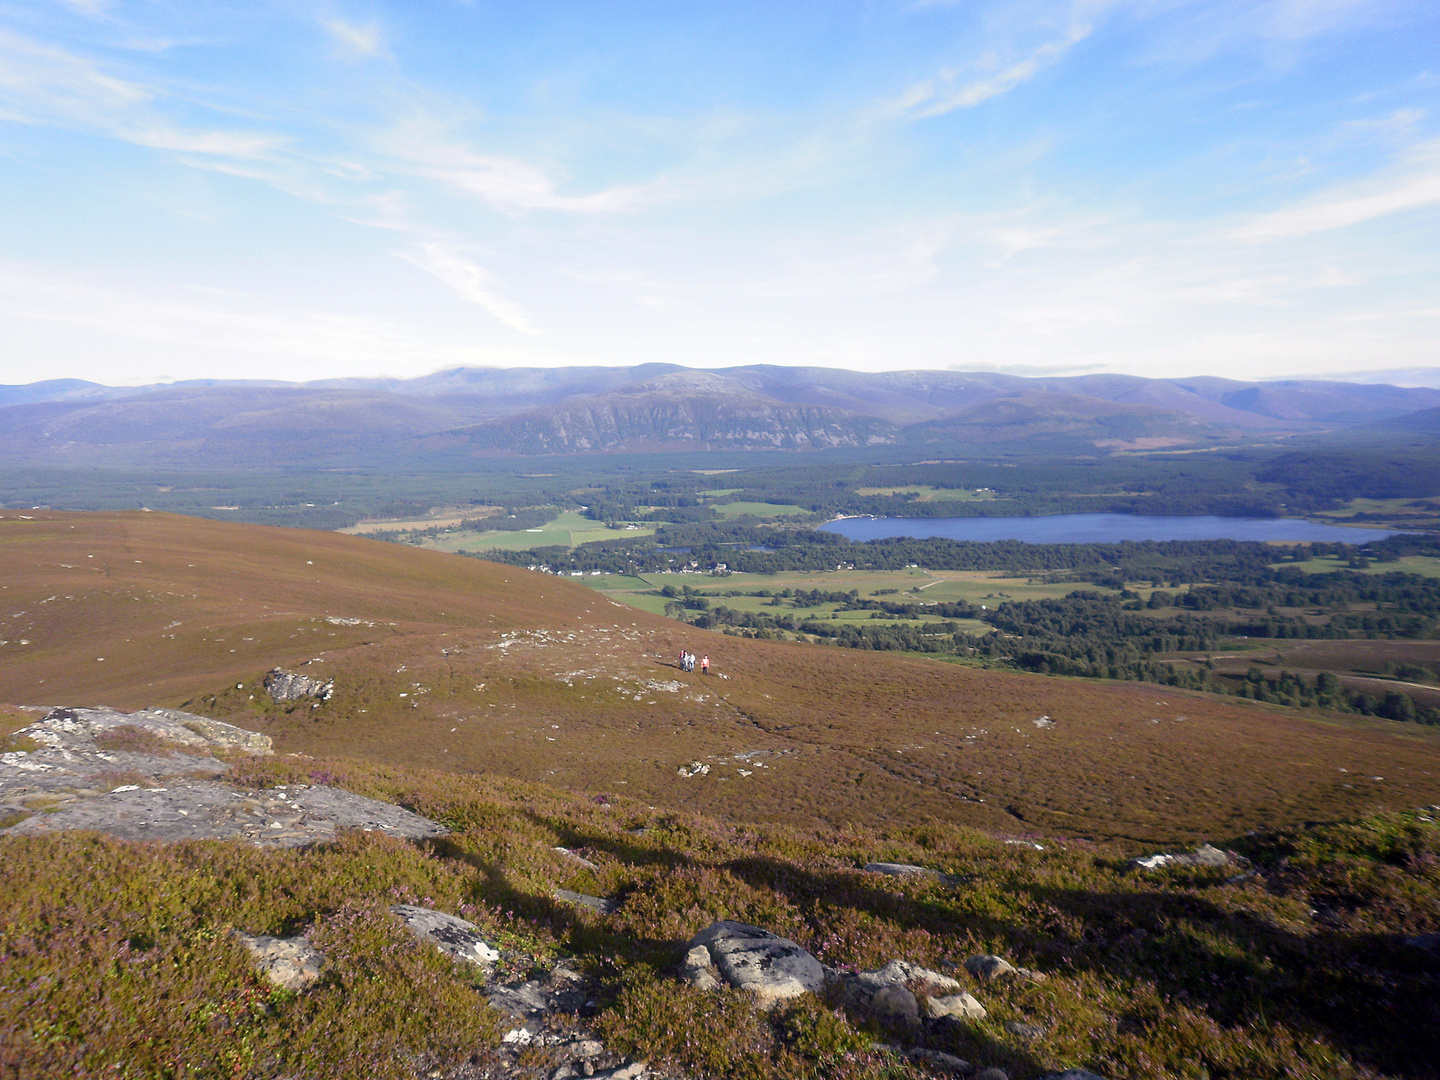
1102 529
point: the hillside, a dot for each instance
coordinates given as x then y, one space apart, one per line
460 665
447 419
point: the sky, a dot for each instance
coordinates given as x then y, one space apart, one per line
307 190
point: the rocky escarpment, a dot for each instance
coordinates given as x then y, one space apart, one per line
692 412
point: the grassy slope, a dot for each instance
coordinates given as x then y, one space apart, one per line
472 666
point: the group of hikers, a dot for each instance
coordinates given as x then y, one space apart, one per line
687 662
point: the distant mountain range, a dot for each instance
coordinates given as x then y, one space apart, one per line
482 412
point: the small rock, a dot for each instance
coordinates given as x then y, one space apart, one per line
526 999
589 1048
897 869
961 1005
452 936
595 903
1028 1032
285 686
632 1071
895 1005
1073 1074
696 969
1204 855
290 963
989 967
941 1061
992 1074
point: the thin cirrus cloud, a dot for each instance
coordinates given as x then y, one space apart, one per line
948 91
470 281
1353 205
355 39
505 183
41 84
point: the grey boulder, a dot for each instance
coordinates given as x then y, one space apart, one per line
453 936
770 967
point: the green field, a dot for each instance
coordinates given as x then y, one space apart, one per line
931 494
757 509
569 529
1424 565
901 586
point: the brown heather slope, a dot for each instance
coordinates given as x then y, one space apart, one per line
465 665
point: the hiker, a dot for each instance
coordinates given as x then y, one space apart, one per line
682 660
705 665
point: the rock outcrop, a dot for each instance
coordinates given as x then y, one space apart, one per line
171 784
283 686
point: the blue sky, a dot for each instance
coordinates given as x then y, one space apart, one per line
1247 188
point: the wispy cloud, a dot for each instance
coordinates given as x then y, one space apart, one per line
506 183
1417 187
40 84
964 88
355 39
471 282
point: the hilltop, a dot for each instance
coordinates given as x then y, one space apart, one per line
464 666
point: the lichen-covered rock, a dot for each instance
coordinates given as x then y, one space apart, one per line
290 963
451 935
766 965
963 1006
1203 856
697 970
283 686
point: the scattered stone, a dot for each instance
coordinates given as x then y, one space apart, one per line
576 857
895 1005
453 936
596 903
989 967
1204 855
1043 722
697 970
696 768
290 963
1028 1032
992 1074
520 1002
285 686
962 1006
895 869
940 1061
770 967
